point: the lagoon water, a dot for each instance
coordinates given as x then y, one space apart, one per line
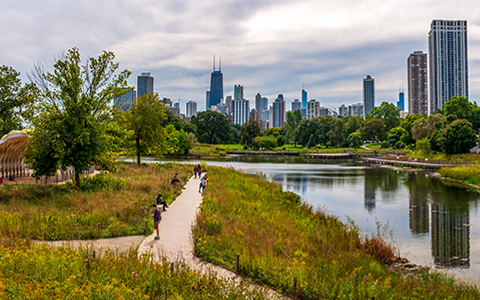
430 223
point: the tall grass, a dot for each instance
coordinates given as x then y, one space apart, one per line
284 243
40 272
110 205
470 174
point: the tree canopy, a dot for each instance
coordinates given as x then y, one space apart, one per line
74 104
212 128
249 131
387 112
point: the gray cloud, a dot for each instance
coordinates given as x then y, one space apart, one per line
269 47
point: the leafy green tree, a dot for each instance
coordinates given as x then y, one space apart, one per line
266 142
460 108
144 124
423 127
176 141
352 124
407 124
336 136
235 130
212 128
423 146
459 137
387 112
13 100
170 118
355 139
374 130
292 121
395 134
249 131
75 104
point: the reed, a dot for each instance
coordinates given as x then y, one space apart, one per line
470 174
285 243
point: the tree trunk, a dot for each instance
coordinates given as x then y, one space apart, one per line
77 179
137 144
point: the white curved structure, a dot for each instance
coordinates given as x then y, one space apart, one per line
12 160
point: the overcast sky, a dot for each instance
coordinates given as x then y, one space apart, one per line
268 47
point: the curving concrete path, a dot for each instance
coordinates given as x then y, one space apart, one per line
176 241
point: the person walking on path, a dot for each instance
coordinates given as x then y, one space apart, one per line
160 201
157 217
195 170
199 171
203 183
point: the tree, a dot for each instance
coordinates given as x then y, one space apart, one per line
266 142
75 102
460 108
407 124
352 124
249 131
336 136
176 141
394 136
355 139
459 137
293 119
144 124
373 130
425 126
212 128
387 112
13 100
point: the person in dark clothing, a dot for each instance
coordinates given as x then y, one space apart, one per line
175 180
195 170
160 201
157 217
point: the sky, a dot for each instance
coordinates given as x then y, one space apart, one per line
268 47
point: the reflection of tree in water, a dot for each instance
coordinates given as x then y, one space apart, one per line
378 179
450 229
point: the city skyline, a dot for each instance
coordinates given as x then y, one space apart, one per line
271 47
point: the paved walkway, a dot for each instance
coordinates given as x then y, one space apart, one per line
175 236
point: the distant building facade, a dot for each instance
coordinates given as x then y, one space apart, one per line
343 110
240 111
448 61
258 103
296 105
355 110
278 112
368 94
313 109
144 84
238 92
191 108
125 101
417 83
264 104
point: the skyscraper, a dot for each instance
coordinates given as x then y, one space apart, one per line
237 92
216 87
191 108
401 100
278 112
343 110
240 111
264 104
417 83
313 109
125 101
296 105
258 103
448 61
304 99
368 94
144 84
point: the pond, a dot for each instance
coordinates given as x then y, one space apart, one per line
430 223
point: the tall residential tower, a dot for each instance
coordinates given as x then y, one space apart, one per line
448 61
215 95
144 84
368 94
417 83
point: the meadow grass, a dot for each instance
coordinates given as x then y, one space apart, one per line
40 272
470 174
109 205
285 243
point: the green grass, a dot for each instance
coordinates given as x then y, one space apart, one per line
40 272
470 174
284 243
110 205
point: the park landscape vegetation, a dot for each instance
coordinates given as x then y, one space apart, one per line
281 241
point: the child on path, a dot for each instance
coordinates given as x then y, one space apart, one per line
157 216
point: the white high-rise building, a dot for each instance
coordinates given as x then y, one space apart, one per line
313 108
240 111
448 61
191 108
